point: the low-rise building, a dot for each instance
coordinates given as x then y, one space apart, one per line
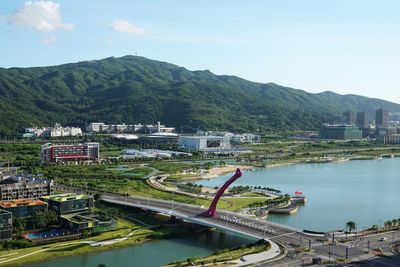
25 187
388 136
204 143
85 221
246 138
5 225
69 203
159 139
56 131
99 127
76 152
23 208
152 153
340 131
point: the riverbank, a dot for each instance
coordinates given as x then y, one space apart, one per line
127 234
250 254
218 171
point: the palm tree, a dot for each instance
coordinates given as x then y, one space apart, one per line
350 225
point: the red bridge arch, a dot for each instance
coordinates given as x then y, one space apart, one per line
211 210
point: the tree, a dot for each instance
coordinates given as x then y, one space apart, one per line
101 265
350 225
18 226
50 217
37 220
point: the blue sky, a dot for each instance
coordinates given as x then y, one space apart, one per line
349 46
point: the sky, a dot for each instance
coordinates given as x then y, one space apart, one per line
345 46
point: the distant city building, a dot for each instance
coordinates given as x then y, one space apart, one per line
5 225
204 143
56 131
382 118
69 203
25 186
388 136
363 120
340 131
349 117
23 208
77 152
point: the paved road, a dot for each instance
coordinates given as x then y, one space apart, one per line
224 220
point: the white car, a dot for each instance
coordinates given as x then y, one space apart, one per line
383 239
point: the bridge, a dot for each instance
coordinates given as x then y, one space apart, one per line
223 220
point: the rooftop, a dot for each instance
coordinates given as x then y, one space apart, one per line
24 179
5 212
66 197
20 202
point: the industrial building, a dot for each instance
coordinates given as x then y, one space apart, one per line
77 152
69 203
25 186
23 208
205 143
340 131
5 225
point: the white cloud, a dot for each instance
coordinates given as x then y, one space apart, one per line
43 16
127 27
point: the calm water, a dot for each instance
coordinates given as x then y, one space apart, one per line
155 253
362 191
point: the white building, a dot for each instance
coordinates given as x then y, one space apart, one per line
59 131
246 138
205 142
56 131
214 133
98 127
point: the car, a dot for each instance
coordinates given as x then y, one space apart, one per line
383 239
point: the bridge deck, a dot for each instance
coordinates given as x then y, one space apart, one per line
224 220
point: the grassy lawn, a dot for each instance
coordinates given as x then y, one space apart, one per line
73 247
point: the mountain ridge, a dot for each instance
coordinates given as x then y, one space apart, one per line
136 89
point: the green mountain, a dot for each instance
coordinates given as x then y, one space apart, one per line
136 89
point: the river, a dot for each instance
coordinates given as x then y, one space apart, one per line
365 191
154 253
